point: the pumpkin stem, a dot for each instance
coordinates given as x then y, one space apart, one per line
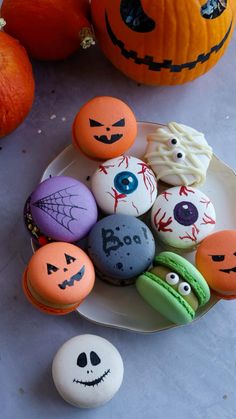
86 38
2 23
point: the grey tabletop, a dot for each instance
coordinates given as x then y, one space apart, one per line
186 372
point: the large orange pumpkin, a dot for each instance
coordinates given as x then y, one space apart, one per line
49 30
164 41
16 84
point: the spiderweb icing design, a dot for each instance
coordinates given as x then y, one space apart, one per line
59 206
192 143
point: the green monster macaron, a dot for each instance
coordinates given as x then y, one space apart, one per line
174 287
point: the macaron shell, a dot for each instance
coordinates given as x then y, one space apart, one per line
188 271
63 208
221 245
164 299
124 185
70 283
182 217
42 307
106 111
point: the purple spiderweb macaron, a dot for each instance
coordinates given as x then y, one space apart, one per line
62 208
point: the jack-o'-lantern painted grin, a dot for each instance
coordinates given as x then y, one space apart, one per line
165 41
165 64
104 138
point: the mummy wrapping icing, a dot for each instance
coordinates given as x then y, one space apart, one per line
124 185
178 154
182 217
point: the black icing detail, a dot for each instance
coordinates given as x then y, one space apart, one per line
94 382
218 258
59 206
165 64
120 123
134 16
82 360
76 277
51 268
227 271
213 8
105 140
69 259
94 123
94 358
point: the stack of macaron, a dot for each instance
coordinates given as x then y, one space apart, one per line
143 203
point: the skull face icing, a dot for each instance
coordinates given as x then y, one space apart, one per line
87 371
182 217
179 155
124 185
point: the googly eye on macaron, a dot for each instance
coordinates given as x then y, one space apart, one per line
124 185
174 287
182 217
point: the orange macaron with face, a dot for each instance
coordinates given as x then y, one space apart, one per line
105 127
58 278
216 260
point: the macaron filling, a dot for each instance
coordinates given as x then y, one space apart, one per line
202 292
176 282
47 303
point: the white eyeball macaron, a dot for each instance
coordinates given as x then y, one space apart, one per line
87 371
124 185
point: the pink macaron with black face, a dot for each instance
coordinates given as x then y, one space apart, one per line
60 208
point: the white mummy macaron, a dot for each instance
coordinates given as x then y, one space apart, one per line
182 217
87 371
124 185
178 154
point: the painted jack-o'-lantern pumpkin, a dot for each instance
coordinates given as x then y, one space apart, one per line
164 41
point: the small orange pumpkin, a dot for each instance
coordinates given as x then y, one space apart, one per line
165 41
49 30
16 84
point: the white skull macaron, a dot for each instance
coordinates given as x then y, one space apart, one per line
182 217
178 154
124 185
87 371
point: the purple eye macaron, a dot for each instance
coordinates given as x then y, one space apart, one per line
60 208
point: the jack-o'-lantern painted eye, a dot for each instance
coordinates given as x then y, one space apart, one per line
218 258
213 8
51 268
94 123
69 259
134 16
120 123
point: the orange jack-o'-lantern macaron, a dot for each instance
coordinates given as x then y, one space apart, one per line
58 278
216 260
105 127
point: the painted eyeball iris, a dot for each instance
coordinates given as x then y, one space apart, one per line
184 288
185 213
173 142
178 156
126 182
172 278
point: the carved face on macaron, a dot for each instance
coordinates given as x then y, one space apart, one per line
105 127
58 277
216 260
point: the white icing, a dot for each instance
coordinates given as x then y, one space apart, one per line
168 217
74 365
161 154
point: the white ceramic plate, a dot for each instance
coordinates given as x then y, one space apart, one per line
122 307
